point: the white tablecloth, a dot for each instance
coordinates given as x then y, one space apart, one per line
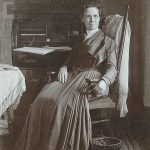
12 86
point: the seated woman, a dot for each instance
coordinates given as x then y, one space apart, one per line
59 117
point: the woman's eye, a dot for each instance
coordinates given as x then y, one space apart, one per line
88 16
95 16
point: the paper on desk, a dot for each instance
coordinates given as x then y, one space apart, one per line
60 48
42 50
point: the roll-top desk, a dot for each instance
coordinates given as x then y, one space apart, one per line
39 24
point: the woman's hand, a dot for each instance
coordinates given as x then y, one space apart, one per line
103 86
100 88
63 74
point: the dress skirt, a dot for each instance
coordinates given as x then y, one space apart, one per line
59 117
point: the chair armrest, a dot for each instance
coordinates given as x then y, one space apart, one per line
89 81
51 75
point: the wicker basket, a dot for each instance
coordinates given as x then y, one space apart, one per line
106 143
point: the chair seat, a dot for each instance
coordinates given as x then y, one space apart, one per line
102 102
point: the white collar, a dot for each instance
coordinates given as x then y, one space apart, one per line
90 33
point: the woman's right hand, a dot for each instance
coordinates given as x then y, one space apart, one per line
63 74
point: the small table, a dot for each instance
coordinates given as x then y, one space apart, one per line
12 86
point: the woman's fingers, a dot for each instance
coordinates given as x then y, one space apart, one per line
62 75
62 78
102 86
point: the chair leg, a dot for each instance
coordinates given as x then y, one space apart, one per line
102 127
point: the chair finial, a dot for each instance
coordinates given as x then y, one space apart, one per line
128 7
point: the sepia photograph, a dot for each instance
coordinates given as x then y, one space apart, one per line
74 75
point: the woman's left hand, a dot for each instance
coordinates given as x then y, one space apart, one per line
100 88
102 85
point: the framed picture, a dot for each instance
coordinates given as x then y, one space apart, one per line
8 8
8 15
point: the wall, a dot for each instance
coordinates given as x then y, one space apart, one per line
145 24
5 30
135 99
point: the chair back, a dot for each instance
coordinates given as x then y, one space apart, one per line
118 28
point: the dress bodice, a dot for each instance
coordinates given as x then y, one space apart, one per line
86 57
84 60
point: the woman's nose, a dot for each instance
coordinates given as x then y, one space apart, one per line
91 18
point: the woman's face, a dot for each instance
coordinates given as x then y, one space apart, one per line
91 18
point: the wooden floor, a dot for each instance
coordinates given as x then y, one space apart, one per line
5 142
134 136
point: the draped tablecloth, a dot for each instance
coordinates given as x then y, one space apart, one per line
12 86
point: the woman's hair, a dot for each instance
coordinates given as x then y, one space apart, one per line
97 4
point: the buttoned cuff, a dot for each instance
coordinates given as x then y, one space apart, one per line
107 80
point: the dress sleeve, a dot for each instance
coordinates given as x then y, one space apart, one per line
70 60
111 64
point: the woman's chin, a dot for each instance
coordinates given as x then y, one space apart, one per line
91 28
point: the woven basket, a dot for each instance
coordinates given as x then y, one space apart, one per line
106 143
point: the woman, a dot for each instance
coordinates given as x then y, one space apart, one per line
59 117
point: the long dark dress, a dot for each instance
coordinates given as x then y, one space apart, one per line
59 117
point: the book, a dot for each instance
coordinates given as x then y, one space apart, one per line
42 50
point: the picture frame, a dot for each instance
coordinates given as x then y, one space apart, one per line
8 10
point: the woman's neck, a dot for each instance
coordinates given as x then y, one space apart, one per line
92 31
89 33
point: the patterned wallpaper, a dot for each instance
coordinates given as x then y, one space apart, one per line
6 17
